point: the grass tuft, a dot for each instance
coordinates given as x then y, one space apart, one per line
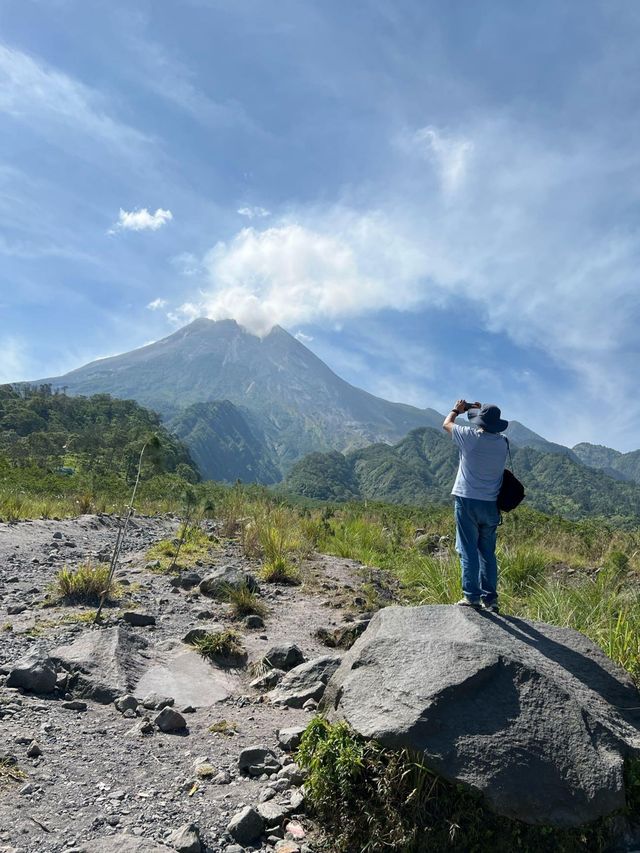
84 585
10 773
243 601
222 647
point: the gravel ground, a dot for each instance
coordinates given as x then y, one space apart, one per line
95 778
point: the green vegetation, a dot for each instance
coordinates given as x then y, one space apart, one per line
10 773
224 727
224 647
85 584
243 602
421 468
374 800
63 456
191 545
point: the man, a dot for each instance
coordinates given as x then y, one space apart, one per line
483 453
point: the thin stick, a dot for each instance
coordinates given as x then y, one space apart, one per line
122 530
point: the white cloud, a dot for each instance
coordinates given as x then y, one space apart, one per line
141 220
304 339
449 155
254 212
157 304
186 313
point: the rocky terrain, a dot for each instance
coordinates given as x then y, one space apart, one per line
80 772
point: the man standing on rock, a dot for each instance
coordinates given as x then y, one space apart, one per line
483 453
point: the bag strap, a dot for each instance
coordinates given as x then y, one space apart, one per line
509 452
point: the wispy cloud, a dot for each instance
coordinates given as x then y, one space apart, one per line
254 212
157 304
449 155
303 338
141 220
34 92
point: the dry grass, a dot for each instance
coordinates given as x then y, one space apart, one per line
85 585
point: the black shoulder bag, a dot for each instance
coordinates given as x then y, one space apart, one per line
511 492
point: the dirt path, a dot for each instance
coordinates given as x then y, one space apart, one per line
94 778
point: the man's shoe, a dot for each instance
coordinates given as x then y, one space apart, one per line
466 602
491 607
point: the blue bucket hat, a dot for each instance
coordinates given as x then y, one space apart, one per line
488 417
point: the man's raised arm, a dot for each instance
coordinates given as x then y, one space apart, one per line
460 408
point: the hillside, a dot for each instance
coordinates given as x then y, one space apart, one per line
621 466
95 436
421 469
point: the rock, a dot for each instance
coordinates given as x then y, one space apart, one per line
126 703
223 777
310 705
186 580
283 657
153 564
287 847
169 720
297 801
254 621
155 702
219 579
34 750
534 717
16 609
256 760
186 839
307 681
289 739
35 672
428 543
105 662
294 827
293 774
246 826
192 636
273 813
344 636
267 681
75 705
267 794
138 620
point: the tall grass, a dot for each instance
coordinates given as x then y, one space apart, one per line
85 585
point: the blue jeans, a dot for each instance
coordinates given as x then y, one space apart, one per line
476 525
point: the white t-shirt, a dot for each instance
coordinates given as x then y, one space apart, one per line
482 460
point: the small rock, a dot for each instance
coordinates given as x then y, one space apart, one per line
246 826
194 635
310 705
169 720
254 621
138 620
156 702
35 672
186 580
126 703
223 777
75 705
257 760
272 813
289 739
16 609
153 564
287 847
267 681
27 789
297 801
34 750
294 774
186 839
266 794
283 657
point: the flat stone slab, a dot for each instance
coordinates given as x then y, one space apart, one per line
186 676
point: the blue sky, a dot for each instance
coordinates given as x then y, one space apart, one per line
438 198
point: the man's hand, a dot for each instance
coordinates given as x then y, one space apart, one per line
460 408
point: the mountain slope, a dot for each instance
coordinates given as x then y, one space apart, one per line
622 466
421 468
301 404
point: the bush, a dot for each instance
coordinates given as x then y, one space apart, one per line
85 585
377 800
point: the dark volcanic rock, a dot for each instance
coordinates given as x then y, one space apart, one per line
35 672
307 681
220 578
535 717
283 657
105 662
138 620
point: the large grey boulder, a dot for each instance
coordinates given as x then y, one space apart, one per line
35 672
535 717
246 826
221 578
307 681
105 662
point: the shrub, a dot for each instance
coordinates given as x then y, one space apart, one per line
374 800
9 771
84 585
